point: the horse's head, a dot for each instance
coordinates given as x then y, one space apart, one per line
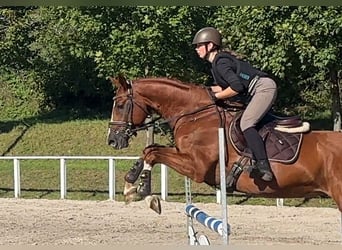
129 111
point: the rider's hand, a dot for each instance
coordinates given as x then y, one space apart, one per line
216 88
213 97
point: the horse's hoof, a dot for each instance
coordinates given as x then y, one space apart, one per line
153 202
128 199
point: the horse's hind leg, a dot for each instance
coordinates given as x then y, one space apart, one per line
336 194
338 200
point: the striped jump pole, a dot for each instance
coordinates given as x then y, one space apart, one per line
206 220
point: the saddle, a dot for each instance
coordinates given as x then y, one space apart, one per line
282 136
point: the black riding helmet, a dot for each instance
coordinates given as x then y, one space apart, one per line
206 35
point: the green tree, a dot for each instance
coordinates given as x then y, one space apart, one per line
21 94
301 46
152 41
61 56
71 51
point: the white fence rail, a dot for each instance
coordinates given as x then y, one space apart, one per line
63 172
111 173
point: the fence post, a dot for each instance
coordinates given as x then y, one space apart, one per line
280 202
16 166
111 184
63 177
164 181
218 196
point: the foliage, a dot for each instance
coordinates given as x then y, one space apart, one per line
299 45
21 94
59 56
63 48
20 97
151 41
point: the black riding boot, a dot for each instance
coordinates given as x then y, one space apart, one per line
265 170
256 144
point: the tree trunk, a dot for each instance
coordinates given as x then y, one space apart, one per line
335 78
150 130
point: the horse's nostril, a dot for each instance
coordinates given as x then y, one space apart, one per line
112 143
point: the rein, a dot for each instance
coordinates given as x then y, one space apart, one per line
131 129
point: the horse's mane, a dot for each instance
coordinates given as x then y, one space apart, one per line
169 81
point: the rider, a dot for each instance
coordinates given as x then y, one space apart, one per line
235 77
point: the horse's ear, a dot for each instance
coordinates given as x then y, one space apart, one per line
118 81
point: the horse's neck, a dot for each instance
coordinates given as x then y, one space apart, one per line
170 100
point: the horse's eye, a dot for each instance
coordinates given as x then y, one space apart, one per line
119 106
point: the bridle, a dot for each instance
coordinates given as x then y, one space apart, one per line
129 128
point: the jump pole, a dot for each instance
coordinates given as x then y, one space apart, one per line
219 226
222 152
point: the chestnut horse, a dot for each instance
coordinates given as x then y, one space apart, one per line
194 119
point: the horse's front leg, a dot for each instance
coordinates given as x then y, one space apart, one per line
130 178
143 190
144 187
195 164
183 163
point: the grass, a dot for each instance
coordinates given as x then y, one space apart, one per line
88 179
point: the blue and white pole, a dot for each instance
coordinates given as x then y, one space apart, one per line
205 219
